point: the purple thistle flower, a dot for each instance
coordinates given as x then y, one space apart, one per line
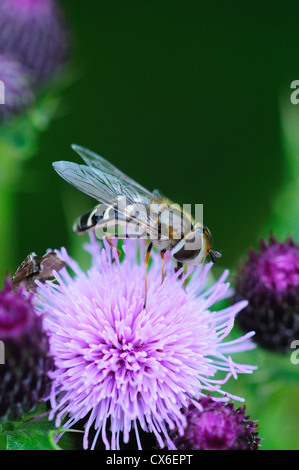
33 31
214 425
269 280
24 375
16 313
17 87
120 366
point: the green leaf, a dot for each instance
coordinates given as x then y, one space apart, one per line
34 434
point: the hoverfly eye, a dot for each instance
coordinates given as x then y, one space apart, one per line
184 255
188 249
208 236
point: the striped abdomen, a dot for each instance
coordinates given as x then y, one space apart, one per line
88 221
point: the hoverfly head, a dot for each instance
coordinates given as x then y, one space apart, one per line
209 243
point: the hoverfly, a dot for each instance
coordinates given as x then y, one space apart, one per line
164 226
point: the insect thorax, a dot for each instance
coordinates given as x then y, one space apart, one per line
171 224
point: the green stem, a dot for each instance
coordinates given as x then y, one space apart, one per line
10 170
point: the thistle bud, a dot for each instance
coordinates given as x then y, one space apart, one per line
16 87
34 32
218 426
269 280
24 374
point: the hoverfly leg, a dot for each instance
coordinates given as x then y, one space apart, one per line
147 256
178 267
163 265
112 247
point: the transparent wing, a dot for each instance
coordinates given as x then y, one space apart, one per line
107 188
97 162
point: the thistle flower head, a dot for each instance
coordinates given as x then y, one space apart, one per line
269 280
24 374
16 313
120 366
214 425
33 31
17 86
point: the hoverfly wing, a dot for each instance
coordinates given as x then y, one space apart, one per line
102 186
80 177
97 162
107 188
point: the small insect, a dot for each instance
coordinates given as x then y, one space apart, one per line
164 225
33 269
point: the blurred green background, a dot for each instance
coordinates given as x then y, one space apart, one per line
184 96
181 95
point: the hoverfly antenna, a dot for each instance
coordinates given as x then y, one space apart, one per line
214 255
